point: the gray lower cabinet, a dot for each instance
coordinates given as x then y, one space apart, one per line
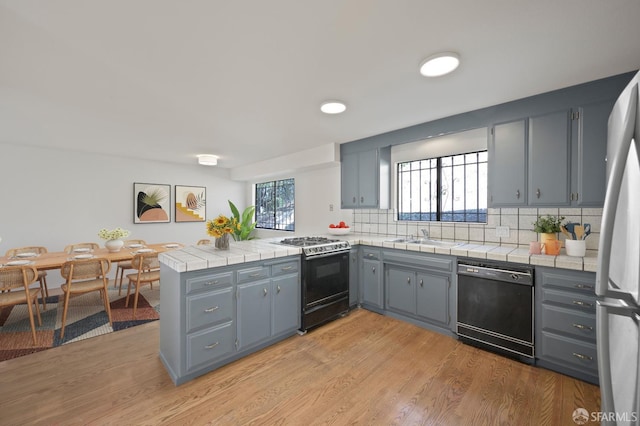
371 278
419 286
214 316
354 276
566 322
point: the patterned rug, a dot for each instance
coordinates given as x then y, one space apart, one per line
86 318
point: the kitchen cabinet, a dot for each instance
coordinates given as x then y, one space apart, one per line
566 322
371 278
365 179
354 275
419 286
213 316
508 156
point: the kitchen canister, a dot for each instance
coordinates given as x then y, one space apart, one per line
576 248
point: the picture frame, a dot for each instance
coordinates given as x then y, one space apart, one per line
190 203
151 203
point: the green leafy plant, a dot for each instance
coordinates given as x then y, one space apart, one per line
547 224
245 223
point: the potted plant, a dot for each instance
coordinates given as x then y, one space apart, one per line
244 224
548 226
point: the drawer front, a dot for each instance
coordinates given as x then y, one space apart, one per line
570 321
576 300
253 274
571 352
577 281
371 254
209 308
209 345
284 268
207 282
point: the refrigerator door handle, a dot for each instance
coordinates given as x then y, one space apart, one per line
613 193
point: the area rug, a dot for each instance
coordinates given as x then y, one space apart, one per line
86 318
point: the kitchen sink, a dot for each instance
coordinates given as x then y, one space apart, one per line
426 242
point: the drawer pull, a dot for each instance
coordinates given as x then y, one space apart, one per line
581 303
279 289
213 345
265 291
208 283
421 283
583 327
256 274
409 280
584 357
589 287
215 308
287 268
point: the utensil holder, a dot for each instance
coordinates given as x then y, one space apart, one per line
576 248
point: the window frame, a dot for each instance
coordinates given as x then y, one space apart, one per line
277 224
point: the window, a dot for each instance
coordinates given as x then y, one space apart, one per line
447 189
275 203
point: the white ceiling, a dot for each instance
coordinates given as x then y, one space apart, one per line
167 80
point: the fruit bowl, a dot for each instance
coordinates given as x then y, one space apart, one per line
339 231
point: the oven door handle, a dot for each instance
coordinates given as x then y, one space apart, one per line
320 256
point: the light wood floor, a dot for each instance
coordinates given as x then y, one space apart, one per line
362 369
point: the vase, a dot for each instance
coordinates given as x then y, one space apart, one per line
222 243
547 237
114 246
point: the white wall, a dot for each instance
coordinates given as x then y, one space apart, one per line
53 198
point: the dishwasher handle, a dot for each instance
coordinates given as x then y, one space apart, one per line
496 274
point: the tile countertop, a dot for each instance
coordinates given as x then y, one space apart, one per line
193 258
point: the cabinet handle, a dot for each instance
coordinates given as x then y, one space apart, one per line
354 200
538 193
208 283
584 357
255 274
572 196
369 255
421 283
518 194
279 289
211 346
215 308
409 280
581 303
362 199
373 269
286 268
583 327
588 287
265 291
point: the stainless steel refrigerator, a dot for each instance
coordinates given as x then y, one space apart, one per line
618 274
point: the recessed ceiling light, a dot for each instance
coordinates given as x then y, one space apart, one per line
439 64
207 160
333 107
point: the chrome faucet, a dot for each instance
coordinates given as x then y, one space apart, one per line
425 233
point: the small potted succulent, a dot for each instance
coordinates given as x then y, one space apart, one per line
548 226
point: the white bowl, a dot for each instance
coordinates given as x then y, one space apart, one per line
339 231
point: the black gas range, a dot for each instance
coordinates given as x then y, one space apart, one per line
325 279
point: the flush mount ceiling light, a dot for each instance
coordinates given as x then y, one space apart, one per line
333 107
439 64
207 160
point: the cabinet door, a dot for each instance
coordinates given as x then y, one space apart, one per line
254 312
368 178
285 295
432 298
349 181
353 276
372 283
589 169
508 164
549 143
401 290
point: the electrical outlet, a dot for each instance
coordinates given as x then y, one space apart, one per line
502 231
330 207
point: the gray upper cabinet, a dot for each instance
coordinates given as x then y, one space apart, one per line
507 150
549 154
589 152
365 179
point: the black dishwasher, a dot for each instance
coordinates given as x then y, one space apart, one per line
496 307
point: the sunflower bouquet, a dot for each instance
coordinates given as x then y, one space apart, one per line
221 225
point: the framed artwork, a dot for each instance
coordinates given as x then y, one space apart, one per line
152 203
191 203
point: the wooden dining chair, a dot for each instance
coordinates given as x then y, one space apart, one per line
84 276
125 264
204 242
148 272
42 275
15 282
82 246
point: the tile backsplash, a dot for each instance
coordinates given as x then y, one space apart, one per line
519 221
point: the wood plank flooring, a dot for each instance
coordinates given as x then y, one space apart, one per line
362 369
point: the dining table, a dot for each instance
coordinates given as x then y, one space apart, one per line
55 260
